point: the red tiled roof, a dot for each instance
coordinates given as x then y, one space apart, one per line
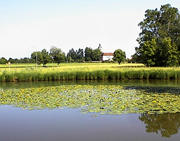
108 54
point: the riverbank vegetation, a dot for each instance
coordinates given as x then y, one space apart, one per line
88 71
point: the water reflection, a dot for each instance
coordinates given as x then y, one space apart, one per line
164 124
157 89
126 83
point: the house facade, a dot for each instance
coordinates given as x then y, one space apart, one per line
107 56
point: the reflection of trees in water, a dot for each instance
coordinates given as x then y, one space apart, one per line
165 124
149 89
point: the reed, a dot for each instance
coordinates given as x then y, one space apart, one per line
88 72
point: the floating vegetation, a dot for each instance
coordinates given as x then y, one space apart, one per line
103 99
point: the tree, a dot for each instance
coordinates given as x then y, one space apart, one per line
72 56
88 54
119 56
93 54
80 55
25 60
3 60
159 40
168 53
37 57
45 57
57 55
96 55
149 49
12 61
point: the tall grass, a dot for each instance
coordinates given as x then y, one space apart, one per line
73 72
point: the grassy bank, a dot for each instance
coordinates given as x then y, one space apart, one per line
85 71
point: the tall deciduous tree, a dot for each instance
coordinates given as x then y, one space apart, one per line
41 57
46 57
88 54
93 54
57 55
37 57
119 56
80 55
71 55
3 60
96 54
159 40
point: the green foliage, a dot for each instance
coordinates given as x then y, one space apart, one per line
96 55
80 55
45 57
149 50
16 60
169 52
119 56
37 57
3 60
57 55
88 54
93 55
12 61
159 40
71 56
42 57
85 71
75 56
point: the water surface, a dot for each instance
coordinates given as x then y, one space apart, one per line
78 117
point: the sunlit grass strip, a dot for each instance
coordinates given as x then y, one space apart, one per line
86 73
3 66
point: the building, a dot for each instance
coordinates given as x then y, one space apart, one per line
107 56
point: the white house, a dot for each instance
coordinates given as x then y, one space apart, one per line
107 56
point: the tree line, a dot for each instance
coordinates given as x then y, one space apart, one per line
56 55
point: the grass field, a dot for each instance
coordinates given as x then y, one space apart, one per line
70 64
85 71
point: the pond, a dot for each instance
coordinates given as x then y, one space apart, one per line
90 111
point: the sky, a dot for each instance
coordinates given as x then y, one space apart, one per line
27 26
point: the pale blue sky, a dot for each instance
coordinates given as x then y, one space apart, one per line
32 25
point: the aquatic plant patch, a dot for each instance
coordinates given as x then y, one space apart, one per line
103 99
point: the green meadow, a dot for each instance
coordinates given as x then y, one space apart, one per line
85 71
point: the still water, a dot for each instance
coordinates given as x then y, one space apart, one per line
96 116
